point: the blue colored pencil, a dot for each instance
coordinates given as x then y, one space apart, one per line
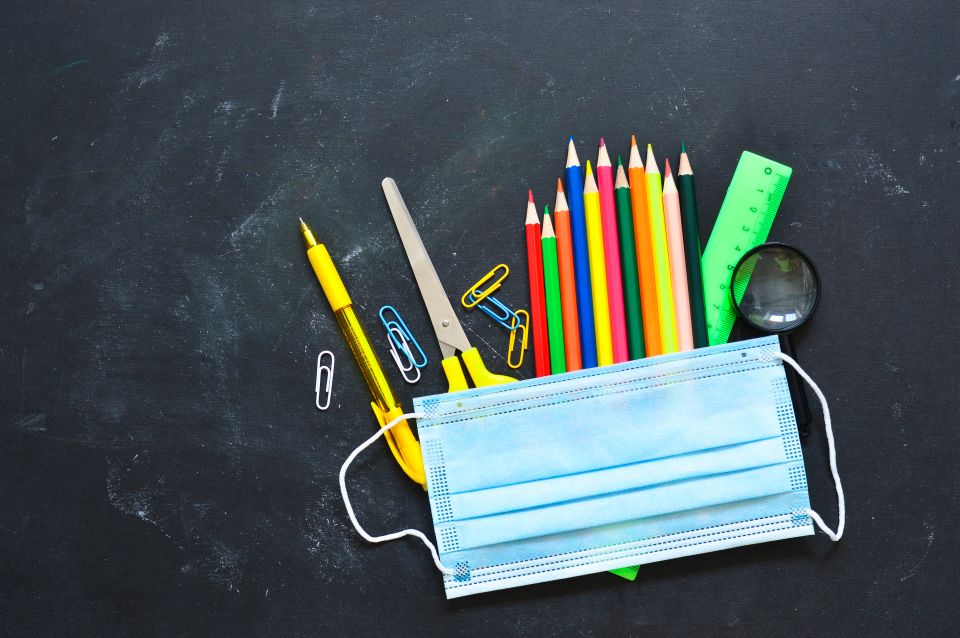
581 259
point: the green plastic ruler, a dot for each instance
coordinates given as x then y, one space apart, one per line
744 222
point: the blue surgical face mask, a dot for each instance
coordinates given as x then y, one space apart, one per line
611 467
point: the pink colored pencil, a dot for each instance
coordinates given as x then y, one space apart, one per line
678 268
611 251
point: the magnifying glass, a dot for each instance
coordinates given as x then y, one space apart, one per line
775 289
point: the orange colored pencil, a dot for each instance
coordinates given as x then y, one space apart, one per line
641 225
568 284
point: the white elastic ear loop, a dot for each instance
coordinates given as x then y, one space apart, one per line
353 517
828 425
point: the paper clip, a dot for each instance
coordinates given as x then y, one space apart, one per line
396 335
472 297
321 368
511 345
499 312
402 338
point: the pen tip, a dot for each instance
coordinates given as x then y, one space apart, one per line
302 223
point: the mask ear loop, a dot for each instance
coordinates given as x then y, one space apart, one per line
353 517
828 426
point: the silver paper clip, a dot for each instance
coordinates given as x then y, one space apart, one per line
401 338
321 369
396 335
498 312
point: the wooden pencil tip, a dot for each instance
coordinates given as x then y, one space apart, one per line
683 147
530 195
589 168
633 140
559 185
667 172
602 143
619 160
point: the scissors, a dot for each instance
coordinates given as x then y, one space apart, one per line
447 327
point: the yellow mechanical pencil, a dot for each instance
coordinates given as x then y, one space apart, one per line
386 406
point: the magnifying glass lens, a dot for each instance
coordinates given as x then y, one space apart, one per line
775 288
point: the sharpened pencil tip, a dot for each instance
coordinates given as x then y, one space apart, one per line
530 195
602 143
619 160
571 139
667 172
633 140
683 147
589 168
559 185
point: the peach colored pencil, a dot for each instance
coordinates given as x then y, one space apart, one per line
678 268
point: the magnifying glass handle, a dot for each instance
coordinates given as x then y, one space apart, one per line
797 392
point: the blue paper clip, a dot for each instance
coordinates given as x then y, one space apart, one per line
499 312
401 337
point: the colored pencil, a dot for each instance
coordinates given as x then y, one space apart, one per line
628 256
581 257
641 226
692 250
598 269
551 289
611 253
568 282
661 257
678 263
538 315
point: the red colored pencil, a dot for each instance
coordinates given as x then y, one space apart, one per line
538 309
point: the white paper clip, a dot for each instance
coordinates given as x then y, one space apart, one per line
328 389
396 336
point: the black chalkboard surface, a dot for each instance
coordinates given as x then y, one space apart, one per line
163 468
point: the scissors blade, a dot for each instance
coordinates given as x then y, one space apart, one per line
447 327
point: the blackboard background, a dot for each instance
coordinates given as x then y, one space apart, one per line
162 467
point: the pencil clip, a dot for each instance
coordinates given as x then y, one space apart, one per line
401 337
496 310
523 326
473 296
397 336
328 388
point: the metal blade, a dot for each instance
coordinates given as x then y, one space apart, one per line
447 327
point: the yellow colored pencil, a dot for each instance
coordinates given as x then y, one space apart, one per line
598 270
661 258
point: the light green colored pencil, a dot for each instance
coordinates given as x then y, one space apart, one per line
551 288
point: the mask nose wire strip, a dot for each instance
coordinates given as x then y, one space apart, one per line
353 517
828 426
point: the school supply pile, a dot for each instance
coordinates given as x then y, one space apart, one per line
645 436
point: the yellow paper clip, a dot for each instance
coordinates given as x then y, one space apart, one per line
473 296
523 325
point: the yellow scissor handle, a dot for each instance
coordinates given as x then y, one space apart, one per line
454 372
479 373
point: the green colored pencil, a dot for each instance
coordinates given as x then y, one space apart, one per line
628 265
691 248
551 288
